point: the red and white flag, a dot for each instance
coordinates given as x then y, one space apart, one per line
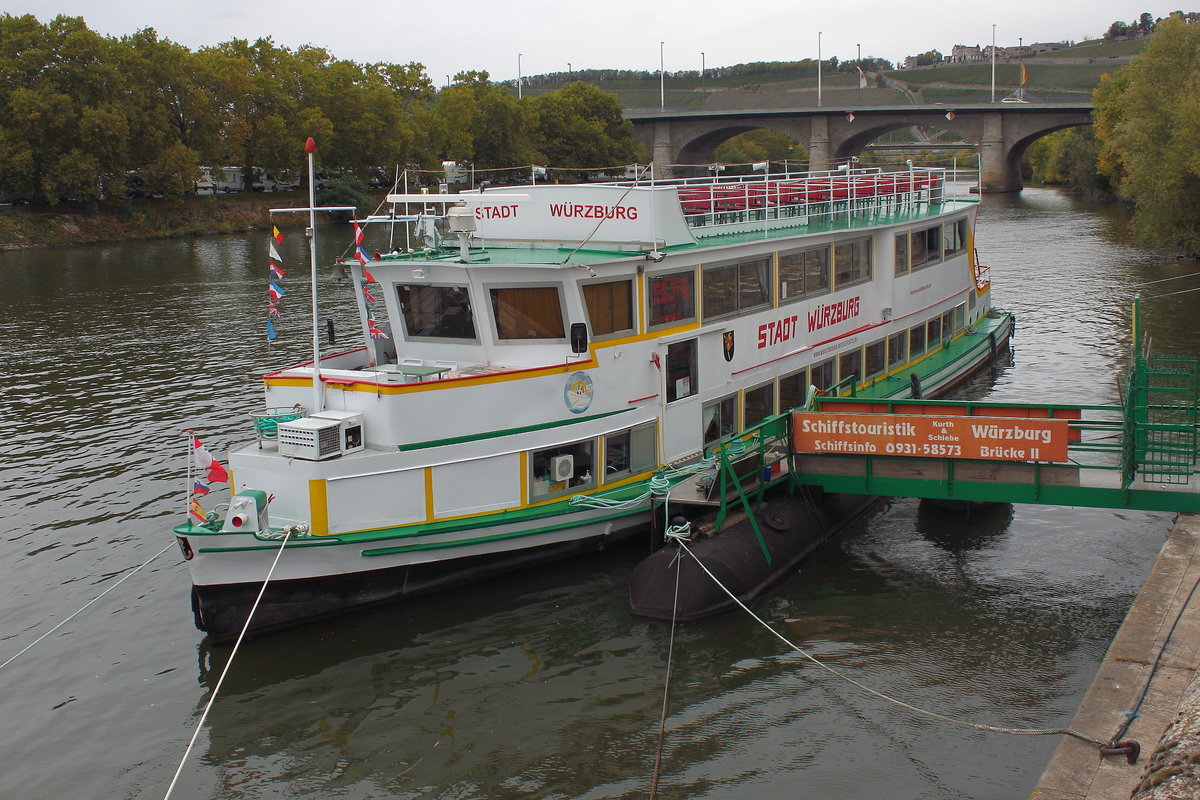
206 466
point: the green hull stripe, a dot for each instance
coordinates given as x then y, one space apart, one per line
506 432
387 551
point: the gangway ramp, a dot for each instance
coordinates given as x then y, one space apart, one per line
1141 455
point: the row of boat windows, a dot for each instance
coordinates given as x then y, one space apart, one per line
571 468
536 312
863 363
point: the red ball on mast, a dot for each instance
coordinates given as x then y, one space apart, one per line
310 146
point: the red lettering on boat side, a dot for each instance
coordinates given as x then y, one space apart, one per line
777 331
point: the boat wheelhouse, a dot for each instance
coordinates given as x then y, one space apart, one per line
543 344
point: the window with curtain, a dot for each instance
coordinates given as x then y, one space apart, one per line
609 307
528 312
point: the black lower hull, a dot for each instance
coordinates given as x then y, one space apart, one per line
792 528
221 610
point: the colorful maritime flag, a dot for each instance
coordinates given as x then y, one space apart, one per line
272 310
276 270
374 330
274 254
362 255
275 291
199 488
207 467
370 298
196 512
271 334
368 277
276 235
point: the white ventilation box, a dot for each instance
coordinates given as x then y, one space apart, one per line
311 438
352 435
563 468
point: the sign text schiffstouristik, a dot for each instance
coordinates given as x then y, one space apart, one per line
992 439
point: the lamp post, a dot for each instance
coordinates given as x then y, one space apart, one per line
518 76
570 72
860 71
662 86
818 69
993 62
701 72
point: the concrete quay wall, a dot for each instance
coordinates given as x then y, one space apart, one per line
1168 727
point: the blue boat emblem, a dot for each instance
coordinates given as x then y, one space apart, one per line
578 393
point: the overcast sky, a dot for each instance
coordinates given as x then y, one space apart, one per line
453 35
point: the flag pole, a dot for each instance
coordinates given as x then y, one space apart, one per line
187 487
318 401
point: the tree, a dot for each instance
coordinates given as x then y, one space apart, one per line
758 145
1147 122
581 126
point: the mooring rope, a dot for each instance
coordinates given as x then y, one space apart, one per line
888 698
662 720
225 671
87 605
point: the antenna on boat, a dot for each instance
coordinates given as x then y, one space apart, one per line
310 147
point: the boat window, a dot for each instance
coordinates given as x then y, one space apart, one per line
960 316
897 348
758 403
630 452
672 298
971 300
948 323
954 237
822 375
803 273
681 370
720 419
609 307
852 262
439 312
792 390
528 312
926 247
935 332
902 253
731 288
916 340
876 357
850 364
563 469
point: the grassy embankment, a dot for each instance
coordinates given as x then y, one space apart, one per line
143 218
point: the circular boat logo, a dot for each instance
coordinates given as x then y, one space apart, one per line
578 393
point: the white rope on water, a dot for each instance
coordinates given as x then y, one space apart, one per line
86 605
881 695
662 720
225 671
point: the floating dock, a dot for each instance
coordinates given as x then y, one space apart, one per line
1164 769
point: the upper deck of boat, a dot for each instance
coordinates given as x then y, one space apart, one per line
689 214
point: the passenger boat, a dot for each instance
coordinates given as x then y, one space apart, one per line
549 359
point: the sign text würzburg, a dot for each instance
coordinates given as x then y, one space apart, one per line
993 439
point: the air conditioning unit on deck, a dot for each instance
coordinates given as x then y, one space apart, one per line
311 438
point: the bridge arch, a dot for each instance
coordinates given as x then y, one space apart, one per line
1001 131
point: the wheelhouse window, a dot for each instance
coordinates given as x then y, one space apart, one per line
876 357
902 253
630 452
681 370
720 419
672 298
758 403
926 247
733 288
528 312
436 312
803 273
562 469
852 262
609 307
954 237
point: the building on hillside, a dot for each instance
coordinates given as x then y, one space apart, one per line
964 54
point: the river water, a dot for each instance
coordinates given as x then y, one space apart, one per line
541 684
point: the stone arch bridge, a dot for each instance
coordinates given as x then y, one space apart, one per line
1002 132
